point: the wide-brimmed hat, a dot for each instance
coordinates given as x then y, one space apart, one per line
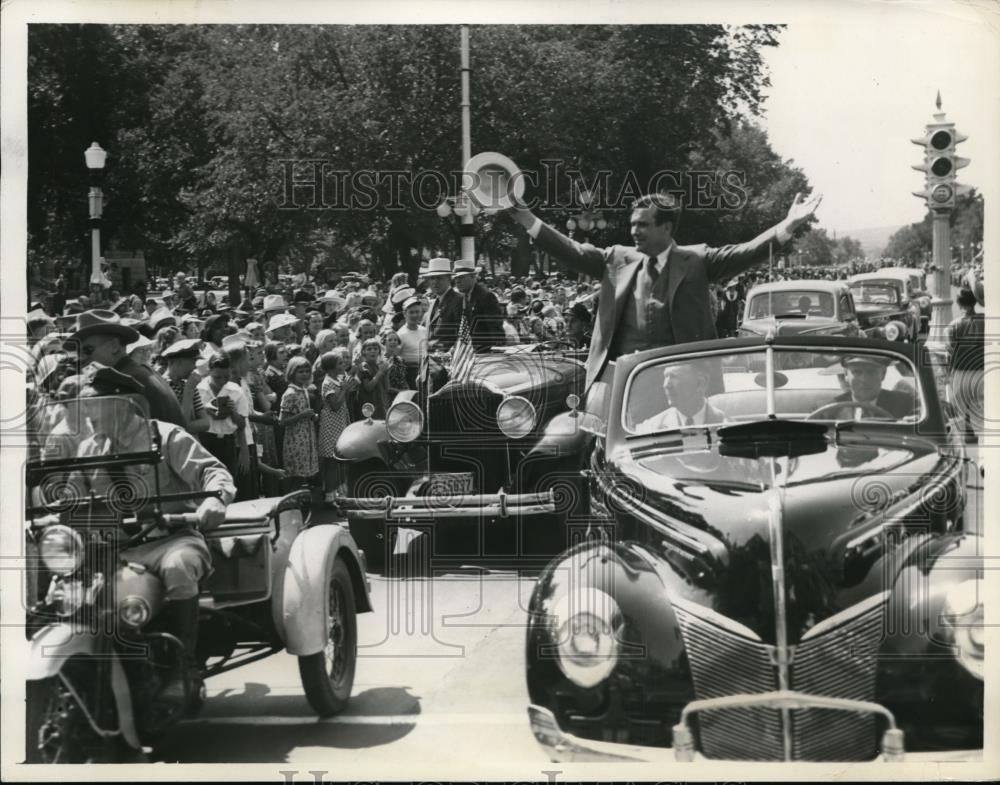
101 322
139 343
332 296
161 317
281 320
274 302
464 267
38 316
439 265
186 347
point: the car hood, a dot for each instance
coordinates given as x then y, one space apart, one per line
829 497
519 374
867 308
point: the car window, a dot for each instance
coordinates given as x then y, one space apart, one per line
808 303
846 306
685 392
874 293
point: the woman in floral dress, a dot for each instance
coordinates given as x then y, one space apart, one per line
298 420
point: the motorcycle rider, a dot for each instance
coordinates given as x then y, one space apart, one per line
180 558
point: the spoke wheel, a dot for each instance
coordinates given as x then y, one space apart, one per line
328 675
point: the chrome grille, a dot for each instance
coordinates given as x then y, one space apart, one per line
724 662
837 659
840 662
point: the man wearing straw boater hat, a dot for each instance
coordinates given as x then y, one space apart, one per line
445 311
102 338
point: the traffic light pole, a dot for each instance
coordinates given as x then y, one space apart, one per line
941 302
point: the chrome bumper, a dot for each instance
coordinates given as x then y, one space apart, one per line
563 747
497 505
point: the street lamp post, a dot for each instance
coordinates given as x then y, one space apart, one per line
95 156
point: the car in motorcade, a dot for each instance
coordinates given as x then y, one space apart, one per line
882 306
98 647
486 462
915 289
795 576
813 307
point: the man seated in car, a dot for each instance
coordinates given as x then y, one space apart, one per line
804 304
864 375
686 387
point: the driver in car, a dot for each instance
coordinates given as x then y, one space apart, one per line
864 375
179 558
686 387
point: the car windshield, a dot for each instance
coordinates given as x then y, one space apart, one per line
871 292
807 303
680 392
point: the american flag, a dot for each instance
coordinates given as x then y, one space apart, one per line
464 354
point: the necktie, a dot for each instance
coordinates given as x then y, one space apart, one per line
651 270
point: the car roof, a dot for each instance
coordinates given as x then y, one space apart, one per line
818 285
873 277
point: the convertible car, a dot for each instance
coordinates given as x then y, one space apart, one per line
487 466
778 566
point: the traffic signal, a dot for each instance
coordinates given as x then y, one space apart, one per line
941 163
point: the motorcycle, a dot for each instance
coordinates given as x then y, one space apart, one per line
100 651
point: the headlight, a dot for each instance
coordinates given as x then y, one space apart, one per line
892 331
404 421
515 417
134 611
963 612
61 549
65 597
589 623
925 302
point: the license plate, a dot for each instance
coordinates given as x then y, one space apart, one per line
450 484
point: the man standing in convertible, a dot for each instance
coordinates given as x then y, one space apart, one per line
656 293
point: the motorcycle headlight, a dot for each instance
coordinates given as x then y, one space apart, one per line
404 421
891 331
963 612
134 610
589 625
515 417
61 549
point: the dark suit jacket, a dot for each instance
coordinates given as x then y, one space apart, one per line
690 269
898 404
485 318
163 404
442 321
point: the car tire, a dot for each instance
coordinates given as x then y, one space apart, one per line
327 683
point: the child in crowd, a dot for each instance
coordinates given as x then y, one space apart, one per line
396 373
334 417
247 478
372 375
326 340
343 334
366 330
218 395
413 337
298 423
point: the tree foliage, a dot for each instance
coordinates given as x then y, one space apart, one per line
201 121
914 242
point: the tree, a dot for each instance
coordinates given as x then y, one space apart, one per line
913 243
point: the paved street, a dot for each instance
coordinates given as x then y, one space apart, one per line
440 669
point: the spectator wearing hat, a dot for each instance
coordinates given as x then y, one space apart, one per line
414 339
578 321
480 307
444 312
102 338
967 362
180 358
281 327
39 325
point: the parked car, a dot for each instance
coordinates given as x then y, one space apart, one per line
798 308
99 649
915 290
488 466
794 578
883 309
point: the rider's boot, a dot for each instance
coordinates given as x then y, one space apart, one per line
181 619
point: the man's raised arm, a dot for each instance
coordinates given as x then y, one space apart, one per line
583 258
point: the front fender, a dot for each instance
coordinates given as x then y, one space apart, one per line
650 679
305 594
50 648
359 440
562 436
